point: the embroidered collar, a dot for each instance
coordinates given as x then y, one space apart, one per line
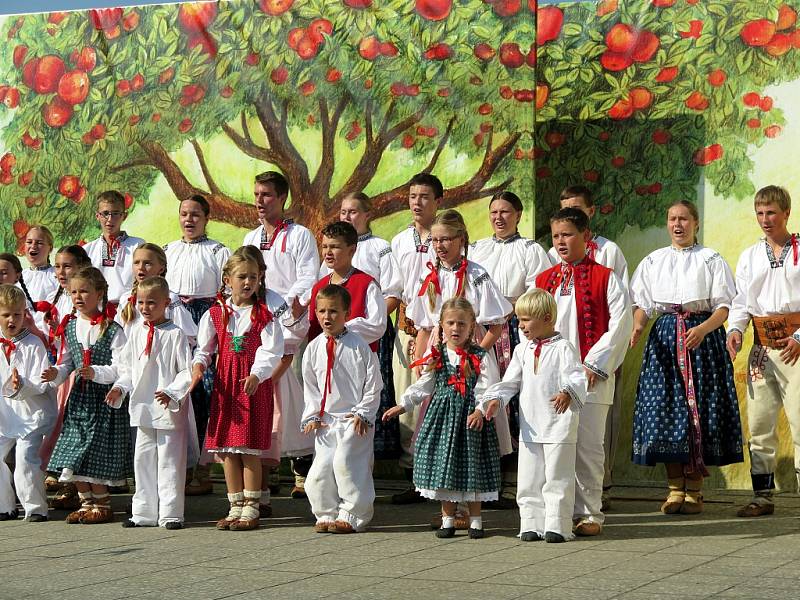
365 236
197 240
344 279
508 240
548 340
166 323
774 261
454 268
339 335
418 238
123 235
20 336
685 250
41 268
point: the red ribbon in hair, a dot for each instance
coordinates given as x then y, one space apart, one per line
459 379
330 351
50 317
227 311
9 347
151 332
433 277
132 300
591 248
434 356
260 313
461 273
282 226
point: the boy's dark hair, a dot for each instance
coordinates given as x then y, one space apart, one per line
275 179
578 191
431 181
341 230
572 215
202 201
335 292
112 197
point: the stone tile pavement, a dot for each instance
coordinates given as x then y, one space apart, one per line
642 555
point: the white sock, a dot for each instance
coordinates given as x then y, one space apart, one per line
476 523
448 522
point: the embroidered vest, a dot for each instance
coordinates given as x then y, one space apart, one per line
357 285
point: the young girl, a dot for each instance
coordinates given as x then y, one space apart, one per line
39 278
242 331
374 257
94 448
195 274
149 260
456 457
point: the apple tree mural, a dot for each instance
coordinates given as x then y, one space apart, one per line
104 98
639 99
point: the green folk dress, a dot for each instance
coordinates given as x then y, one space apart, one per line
95 440
451 462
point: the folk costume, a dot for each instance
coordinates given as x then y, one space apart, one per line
156 358
176 312
594 315
767 294
27 415
451 462
539 370
114 259
341 379
40 282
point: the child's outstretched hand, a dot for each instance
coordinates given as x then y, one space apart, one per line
15 382
162 398
561 402
49 374
313 426
197 375
591 378
475 420
114 396
251 384
492 407
358 424
392 413
86 373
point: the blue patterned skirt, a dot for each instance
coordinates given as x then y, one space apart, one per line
387 435
661 432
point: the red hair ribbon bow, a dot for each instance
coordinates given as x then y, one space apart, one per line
459 379
461 273
260 314
433 277
434 356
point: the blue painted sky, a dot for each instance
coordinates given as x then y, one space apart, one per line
12 7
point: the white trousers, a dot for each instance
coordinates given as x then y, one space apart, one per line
589 462
159 465
28 475
772 384
546 488
289 392
339 484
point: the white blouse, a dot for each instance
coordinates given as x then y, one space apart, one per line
41 282
374 257
194 269
114 264
696 279
87 335
513 264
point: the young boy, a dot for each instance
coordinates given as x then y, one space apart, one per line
547 374
112 252
27 410
608 254
342 393
154 368
290 253
594 314
768 292
413 250
367 313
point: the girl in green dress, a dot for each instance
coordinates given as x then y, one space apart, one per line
457 458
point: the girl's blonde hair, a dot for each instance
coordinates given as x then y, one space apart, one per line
453 220
363 200
462 304
48 237
94 277
537 304
11 295
155 282
129 312
252 253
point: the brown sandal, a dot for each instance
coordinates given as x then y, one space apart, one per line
247 523
86 504
66 498
342 527
672 505
756 509
99 513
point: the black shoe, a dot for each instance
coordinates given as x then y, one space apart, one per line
476 534
265 511
408 496
551 537
502 503
298 493
173 525
445 532
530 536
34 518
9 516
119 489
128 523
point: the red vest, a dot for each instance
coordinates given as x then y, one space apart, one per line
357 285
590 289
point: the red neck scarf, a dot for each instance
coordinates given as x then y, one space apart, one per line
459 379
151 332
282 226
8 347
330 351
433 277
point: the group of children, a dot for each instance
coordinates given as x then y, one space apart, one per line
116 366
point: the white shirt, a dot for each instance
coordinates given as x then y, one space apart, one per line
33 406
423 388
765 285
607 254
696 278
491 307
167 369
356 382
194 269
412 253
374 257
513 264
291 273
87 335
115 265
270 351
559 370
176 312
40 282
